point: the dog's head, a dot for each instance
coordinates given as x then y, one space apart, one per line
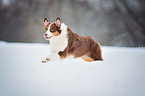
52 29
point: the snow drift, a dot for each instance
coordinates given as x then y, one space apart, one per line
122 73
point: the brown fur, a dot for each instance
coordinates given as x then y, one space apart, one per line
55 30
84 47
46 25
55 34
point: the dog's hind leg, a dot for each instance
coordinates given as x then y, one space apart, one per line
87 58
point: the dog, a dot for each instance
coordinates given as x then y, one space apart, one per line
65 43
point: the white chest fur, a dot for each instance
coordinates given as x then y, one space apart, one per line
60 42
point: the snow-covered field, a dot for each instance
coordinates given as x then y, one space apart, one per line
122 73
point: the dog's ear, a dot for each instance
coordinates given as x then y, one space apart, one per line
58 22
46 22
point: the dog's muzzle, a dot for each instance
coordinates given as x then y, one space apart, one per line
47 37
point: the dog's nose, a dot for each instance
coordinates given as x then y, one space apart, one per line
45 34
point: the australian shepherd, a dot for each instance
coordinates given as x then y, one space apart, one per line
65 43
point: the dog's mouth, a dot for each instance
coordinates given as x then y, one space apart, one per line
47 38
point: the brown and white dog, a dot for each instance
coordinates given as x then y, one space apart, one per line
65 43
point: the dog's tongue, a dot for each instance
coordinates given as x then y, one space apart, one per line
48 38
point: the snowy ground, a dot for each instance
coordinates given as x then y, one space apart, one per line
122 73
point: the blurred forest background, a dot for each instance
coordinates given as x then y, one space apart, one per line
110 22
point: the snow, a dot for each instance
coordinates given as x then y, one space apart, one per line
122 73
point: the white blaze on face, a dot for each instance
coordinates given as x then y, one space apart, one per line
49 34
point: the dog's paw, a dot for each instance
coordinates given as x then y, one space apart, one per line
48 59
62 55
44 61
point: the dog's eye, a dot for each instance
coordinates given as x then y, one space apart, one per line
52 30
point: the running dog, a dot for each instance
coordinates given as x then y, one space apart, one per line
65 43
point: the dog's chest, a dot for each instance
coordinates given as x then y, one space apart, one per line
58 43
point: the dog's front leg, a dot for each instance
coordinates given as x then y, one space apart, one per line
62 54
52 57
